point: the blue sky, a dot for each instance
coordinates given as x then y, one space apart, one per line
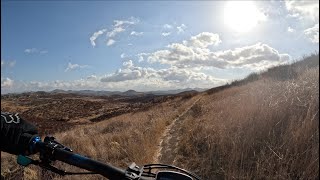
157 45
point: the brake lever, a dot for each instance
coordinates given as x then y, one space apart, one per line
133 171
51 140
46 154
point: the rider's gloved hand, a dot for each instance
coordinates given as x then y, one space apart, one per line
16 134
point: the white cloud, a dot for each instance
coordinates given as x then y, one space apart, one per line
303 9
115 31
75 66
141 56
6 83
134 33
203 40
118 27
181 28
130 21
128 64
257 57
172 77
32 50
166 34
313 33
123 55
35 51
92 77
95 35
10 63
194 53
167 26
291 30
128 72
110 42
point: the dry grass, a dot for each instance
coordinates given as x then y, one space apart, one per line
121 140
267 129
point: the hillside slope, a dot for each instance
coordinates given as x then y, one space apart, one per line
263 127
266 127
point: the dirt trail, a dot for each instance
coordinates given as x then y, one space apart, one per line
170 138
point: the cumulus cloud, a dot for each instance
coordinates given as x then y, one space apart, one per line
195 53
203 40
95 35
6 83
129 76
110 42
303 9
187 76
257 56
141 56
74 66
92 77
134 33
35 51
173 77
181 28
313 33
128 72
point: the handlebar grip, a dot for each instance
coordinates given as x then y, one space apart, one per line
80 161
77 160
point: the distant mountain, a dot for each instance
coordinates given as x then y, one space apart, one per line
116 93
87 92
126 93
132 93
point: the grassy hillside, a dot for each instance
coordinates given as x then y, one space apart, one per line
263 127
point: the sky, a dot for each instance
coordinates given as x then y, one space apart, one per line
149 45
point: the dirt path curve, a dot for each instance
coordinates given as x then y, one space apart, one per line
170 138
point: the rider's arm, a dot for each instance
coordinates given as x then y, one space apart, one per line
16 134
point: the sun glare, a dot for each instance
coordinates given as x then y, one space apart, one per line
241 16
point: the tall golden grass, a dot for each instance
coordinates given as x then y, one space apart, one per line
266 129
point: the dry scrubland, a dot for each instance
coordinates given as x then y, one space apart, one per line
263 127
127 138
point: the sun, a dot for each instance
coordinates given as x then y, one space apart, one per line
242 16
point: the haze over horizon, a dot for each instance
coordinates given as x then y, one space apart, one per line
149 46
